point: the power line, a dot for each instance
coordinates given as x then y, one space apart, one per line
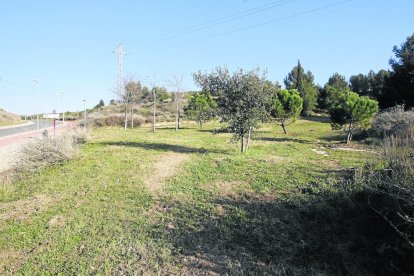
12 84
262 24
216 22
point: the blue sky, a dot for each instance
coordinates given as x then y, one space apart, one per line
67 45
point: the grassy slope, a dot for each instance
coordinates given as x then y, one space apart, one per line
222 212
7 118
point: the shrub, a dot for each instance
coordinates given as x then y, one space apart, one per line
389 189
394 121
117 120
40 153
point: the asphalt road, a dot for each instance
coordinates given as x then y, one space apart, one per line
17 130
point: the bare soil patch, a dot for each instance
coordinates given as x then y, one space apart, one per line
227 188
166 167
23 209
12 259
58 221
321 152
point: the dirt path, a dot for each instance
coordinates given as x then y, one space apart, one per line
167 166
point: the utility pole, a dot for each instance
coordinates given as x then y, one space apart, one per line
36 83
61 106
119 52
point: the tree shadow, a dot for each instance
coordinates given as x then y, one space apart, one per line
284 139
215 130
318 119
163 147
340 138
171 127
327 235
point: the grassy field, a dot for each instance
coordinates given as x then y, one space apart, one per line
186 202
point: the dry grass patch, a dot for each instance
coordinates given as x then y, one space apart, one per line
167 166
11 260
58 221
25 208
227 188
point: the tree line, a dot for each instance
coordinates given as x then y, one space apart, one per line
244 99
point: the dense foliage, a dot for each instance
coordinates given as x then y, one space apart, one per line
304 83
242 99
287 106
201 107
399 87
352 110
371 85
333 89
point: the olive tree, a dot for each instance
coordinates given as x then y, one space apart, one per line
352 110
286 107
241 99
201 107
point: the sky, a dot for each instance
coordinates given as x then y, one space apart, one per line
67 46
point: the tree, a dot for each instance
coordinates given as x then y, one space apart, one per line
399 86
124 96
371 85
154 92
177 84
146 93
99 105
304 83
135 90
132 93
352 110
287 106
332 91
162 94
201 107
241 100
112 102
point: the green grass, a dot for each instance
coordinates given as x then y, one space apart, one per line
220 211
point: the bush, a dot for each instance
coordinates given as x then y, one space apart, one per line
41 153
389 186
394 121
117 120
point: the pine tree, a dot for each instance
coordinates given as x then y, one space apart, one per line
304 83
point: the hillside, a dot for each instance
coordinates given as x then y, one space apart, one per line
165 112
7 118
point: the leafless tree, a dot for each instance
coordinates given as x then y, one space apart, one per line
176 83
154 88
128 96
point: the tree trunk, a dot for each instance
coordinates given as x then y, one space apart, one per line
242 145
153 118
153 111
201 124
126 117
177 115
248 138
349 136
284 128
178 119
132 118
